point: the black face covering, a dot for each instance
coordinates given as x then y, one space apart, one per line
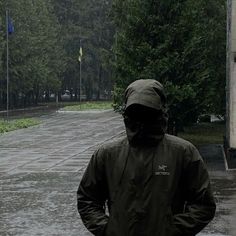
145 126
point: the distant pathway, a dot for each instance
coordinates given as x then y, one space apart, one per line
63 142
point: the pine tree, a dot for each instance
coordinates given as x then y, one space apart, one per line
180 43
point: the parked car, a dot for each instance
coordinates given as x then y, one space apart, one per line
66 95
209 118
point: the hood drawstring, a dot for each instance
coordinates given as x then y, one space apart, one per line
123 171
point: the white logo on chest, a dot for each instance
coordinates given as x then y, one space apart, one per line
162 170
162 167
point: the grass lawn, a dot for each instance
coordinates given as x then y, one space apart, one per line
204 133
89 106
6 126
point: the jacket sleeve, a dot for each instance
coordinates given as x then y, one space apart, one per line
92 194
199 201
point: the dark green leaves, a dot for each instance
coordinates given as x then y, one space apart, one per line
181 44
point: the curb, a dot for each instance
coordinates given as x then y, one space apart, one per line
85 111
225 160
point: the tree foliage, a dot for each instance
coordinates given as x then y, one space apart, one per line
45 46
180 43
86 24
36 56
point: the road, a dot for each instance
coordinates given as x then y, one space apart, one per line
41 168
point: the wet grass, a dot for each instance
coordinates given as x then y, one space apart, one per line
89 106
204 133
6 126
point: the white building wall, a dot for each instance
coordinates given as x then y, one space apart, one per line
232 103
232 79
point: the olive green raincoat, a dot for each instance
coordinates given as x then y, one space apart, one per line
157 190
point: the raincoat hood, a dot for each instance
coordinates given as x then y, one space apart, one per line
149 93
145 114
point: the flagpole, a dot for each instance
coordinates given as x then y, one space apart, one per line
7 64
80 70
80 73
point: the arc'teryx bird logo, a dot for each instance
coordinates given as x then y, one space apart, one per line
162 170
162 167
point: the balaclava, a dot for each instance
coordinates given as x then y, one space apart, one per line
145 114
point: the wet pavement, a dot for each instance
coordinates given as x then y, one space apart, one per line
224 188
41 168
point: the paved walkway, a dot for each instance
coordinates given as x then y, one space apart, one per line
41 168
224 188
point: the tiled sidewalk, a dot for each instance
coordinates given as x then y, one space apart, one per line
41 168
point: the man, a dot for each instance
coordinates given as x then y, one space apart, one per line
154 184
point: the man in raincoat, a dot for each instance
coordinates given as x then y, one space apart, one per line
153 184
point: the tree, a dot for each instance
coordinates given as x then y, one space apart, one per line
36 54
180 43
86 22
45 46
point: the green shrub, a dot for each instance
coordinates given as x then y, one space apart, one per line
6 126
118 98
89 106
